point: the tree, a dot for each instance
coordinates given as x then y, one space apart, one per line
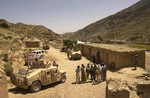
69 43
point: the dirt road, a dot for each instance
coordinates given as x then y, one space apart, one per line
64 90
71 90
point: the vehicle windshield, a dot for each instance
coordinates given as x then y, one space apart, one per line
22 72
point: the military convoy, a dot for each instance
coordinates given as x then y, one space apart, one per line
37 75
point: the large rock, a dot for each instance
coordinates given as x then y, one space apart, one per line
117 88
143 89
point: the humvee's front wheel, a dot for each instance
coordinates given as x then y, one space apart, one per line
63 78
35 86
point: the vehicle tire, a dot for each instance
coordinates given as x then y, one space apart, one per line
80 58
63 78
35 86
25 64
13 78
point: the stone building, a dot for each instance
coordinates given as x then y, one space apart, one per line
32 44
115 56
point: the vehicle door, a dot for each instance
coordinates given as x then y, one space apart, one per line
54 75
46 77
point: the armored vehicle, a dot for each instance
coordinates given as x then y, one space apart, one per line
38 75
75 54
39 53
31 57
63 49
46 47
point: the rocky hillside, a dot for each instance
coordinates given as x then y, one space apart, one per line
131 24
12 35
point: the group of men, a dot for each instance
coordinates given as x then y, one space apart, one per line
94 72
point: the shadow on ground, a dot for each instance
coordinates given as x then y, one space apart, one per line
17 90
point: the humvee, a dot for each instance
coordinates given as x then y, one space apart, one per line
75 53
38 75
31 57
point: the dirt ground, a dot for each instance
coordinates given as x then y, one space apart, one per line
63 90
69 89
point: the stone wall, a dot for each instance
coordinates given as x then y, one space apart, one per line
32 44
113 55
117 89
143 89
3 85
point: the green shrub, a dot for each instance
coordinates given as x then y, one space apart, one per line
8 68
2 55
7 37
4 25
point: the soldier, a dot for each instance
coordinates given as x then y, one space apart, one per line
78 74
87 71
68 52
55 64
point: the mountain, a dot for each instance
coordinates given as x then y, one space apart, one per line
131 24
12 35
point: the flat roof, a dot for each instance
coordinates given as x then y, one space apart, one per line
114 47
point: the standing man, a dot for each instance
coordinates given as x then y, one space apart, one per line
136 62
78 74
104 72
100 71
68 52
92 72
87 71
55 64
83 73
97 75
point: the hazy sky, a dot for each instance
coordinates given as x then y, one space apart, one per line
60 15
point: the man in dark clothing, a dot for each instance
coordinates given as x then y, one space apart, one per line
92 71
87 71
83 73
136 62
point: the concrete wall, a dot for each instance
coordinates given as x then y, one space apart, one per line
119 59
